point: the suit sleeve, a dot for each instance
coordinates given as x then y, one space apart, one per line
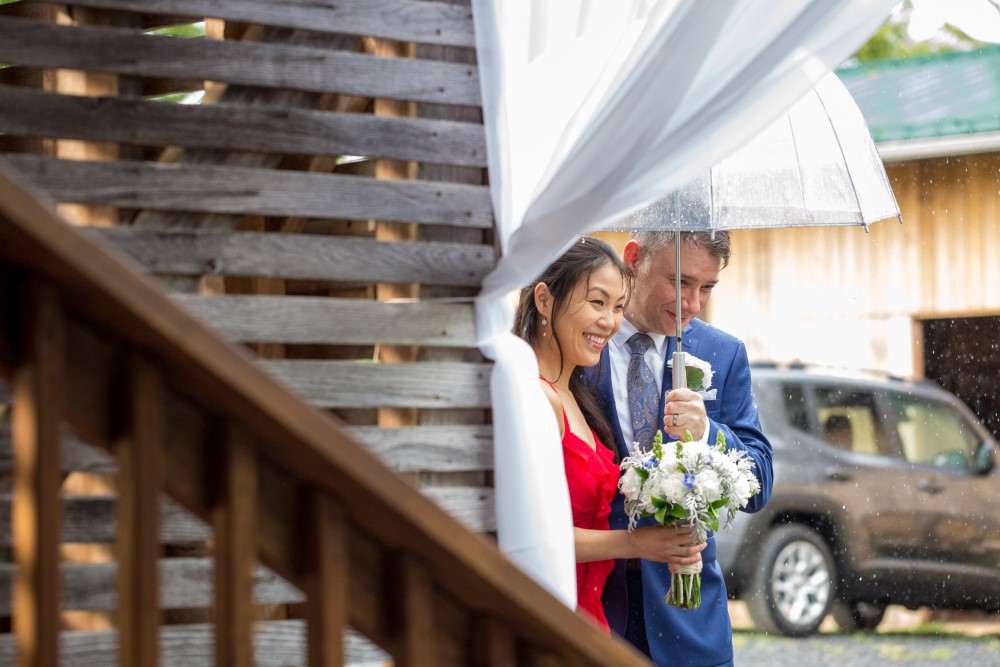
740 422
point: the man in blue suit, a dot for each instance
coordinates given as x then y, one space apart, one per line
634 592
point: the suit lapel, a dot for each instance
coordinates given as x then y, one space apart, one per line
606 398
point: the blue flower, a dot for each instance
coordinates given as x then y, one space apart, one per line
689 481
651 462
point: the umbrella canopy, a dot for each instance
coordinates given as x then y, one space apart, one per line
815 166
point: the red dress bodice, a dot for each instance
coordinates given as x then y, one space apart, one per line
592 477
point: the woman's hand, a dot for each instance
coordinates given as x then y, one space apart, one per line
674 545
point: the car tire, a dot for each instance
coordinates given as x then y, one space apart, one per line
794 584
857 616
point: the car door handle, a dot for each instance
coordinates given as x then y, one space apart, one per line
929 486
837 474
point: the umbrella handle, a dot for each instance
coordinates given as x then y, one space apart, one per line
679 370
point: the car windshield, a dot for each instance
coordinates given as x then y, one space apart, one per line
933 433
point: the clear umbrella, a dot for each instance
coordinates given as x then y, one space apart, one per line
816 165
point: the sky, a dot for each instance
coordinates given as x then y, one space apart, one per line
980 19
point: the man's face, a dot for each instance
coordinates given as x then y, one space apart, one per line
653 307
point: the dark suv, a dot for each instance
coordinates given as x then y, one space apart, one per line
885 492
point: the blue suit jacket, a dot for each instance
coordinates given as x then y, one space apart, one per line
703 636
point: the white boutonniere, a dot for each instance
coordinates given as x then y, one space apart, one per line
699 375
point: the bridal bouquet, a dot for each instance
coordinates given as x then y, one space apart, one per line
687 483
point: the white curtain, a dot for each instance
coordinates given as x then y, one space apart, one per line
594 108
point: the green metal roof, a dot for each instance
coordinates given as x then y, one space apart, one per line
937 95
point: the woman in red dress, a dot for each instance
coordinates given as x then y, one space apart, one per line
568 317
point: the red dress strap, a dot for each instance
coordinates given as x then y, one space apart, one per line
565 416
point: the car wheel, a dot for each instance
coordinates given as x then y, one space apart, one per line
857 616
793 587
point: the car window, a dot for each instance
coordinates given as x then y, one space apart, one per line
933 433
795 406
846 419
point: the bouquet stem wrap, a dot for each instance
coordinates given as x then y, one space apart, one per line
685 586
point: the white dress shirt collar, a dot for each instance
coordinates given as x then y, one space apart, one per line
627 330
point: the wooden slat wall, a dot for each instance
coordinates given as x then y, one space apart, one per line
326 205
319 238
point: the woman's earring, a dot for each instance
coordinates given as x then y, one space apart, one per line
544 322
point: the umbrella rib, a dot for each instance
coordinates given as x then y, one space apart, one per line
850 176
798 161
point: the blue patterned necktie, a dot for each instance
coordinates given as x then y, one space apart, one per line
643 397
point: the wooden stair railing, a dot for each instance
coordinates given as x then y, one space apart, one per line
87 342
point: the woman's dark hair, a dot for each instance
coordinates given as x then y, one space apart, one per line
561 277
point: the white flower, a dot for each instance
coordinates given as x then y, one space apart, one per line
709 485
646 494
741 490
671 488
630 483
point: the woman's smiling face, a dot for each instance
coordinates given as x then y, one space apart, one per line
590 316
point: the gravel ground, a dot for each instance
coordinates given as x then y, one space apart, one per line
865 650
905 638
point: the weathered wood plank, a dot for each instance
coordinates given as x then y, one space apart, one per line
93 519
434 448
30 76
43 10
413 613
473 506
308 257
491 643
333 321
8 317
38 44
137 544
28 112
185 583
234 521
404 20
39 373
360 384
75 455
327 582
241 190
276 644
445 448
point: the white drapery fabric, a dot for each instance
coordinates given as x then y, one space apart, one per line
592 109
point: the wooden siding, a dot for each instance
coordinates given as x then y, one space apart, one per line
841 297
